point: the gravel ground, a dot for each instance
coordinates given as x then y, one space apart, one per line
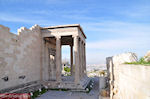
93 94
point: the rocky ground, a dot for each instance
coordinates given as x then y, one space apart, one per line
93 94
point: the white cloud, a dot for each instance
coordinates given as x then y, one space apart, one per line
133 37
118 27
137 11
28 19
119 43
12 18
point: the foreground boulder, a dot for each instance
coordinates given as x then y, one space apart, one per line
147 57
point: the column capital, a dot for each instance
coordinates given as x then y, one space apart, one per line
58 37
75 36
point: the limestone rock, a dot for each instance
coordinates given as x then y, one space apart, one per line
147 57
125 57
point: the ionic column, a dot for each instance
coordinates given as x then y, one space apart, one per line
84 48
76 56
71 60
58 59
82 59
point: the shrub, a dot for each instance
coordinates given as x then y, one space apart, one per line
67 69
140 62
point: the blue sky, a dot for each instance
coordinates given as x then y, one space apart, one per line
111 26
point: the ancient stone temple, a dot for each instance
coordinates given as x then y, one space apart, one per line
33 58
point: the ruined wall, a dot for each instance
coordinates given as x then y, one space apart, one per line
128 81
132 82
20 56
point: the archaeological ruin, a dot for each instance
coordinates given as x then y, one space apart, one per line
32 58
128 81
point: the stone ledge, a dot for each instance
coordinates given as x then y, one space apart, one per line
20 87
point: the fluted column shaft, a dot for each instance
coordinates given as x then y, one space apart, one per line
76 56
58 59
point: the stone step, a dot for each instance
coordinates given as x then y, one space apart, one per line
27 89
23 88
85 82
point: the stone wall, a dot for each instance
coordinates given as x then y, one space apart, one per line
20 56
128 81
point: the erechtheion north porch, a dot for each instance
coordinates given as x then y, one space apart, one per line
53 40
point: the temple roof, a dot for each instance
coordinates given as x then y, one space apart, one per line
65 26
